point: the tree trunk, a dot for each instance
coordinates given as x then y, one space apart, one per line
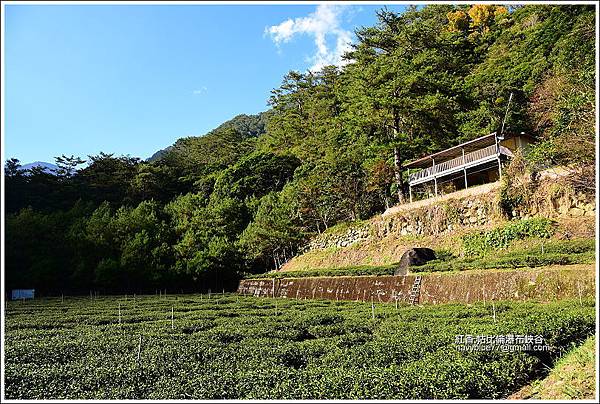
397 159
398 175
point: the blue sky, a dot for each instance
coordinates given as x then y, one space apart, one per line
130 79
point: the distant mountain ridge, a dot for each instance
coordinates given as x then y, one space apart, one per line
48 168
247 125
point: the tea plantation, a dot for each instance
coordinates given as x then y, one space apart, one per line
228 346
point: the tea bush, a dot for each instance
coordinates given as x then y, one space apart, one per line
345 271
556 252
233 347
500 237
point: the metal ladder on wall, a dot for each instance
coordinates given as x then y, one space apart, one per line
415 291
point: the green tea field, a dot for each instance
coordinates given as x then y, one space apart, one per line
234 347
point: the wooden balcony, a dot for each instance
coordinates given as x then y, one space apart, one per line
467 160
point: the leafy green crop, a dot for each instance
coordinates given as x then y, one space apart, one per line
556 252
482 242
233 347
345 271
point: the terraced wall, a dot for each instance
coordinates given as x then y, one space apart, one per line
461 287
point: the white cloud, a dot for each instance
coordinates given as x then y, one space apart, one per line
321 24
199 91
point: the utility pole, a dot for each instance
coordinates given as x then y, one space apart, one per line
500 137
505 115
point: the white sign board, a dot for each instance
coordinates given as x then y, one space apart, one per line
23 294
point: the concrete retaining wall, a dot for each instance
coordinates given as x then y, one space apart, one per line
461 287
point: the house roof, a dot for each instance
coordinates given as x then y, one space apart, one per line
456 151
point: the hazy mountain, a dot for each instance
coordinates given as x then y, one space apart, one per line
48 167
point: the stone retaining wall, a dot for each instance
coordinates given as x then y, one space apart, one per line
447 215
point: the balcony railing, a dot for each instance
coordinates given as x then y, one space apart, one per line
458 163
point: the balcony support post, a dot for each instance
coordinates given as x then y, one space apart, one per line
410 193
464 166
498 154
499 167
434 177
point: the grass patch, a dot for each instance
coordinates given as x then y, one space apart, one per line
572 378
344 227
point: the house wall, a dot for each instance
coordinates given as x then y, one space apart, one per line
517 142
511 143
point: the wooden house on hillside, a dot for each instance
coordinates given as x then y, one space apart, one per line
475 162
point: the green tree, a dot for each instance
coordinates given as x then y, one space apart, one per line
67 165
255 175
14 185
275 233
107 178
404 79
205 235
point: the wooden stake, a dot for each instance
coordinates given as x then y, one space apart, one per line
372 308
579 290
494 308
483 289
119 313
172 318
139 349
396 302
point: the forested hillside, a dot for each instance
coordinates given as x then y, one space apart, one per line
331 148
